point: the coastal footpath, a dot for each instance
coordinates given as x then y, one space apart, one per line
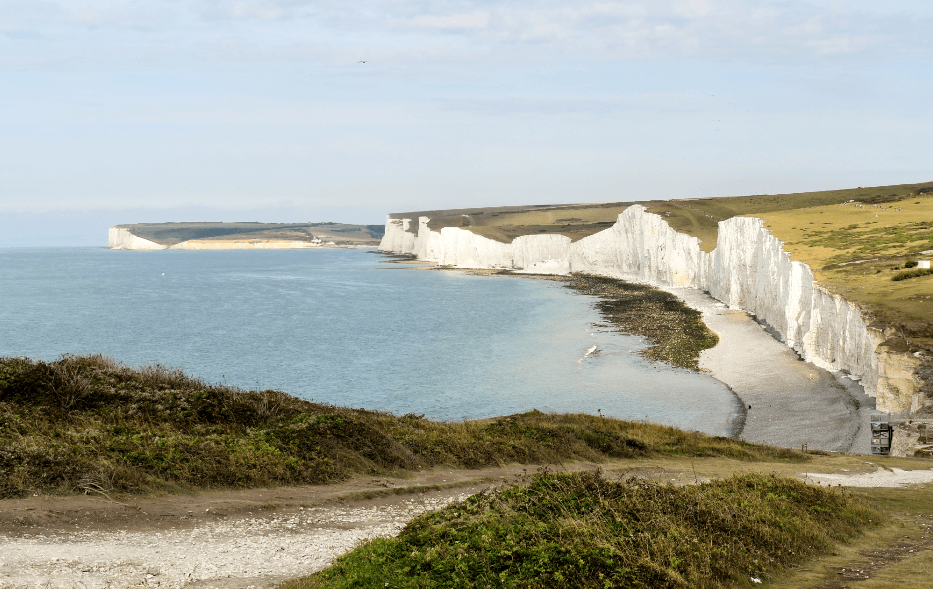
748 270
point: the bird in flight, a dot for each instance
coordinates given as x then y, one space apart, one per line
361 61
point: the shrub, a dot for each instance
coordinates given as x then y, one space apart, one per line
580 530
916 273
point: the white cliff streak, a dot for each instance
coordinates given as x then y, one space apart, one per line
749 270
120 238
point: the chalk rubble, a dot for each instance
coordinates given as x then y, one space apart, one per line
748 270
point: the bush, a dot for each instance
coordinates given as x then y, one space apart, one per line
580 530
912 274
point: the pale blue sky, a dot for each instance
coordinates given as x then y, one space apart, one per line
126 111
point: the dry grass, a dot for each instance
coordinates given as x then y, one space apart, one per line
896 554
697 217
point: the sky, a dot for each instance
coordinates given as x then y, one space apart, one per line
123 111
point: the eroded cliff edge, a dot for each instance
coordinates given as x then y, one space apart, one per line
748 270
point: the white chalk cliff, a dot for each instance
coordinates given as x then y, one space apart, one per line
120 238
748 270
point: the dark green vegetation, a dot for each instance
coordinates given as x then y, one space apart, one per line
580 530
677 332
87 423
174 233
912 274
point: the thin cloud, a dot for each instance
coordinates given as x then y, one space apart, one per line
534 30
462 21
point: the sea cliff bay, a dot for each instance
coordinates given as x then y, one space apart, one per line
152 475
748 271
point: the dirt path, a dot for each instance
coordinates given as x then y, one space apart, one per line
236 539
256 538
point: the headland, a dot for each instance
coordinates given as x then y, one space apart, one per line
226 236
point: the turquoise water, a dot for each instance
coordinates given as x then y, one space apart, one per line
347 327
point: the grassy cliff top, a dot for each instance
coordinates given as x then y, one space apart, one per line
174 233
697 217
856 250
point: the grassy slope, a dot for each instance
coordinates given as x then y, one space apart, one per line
697 217
581 530
899 553
87 422
574 221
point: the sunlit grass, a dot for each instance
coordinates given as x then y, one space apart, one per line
88 423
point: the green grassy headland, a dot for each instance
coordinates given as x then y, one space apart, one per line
87 422
859 252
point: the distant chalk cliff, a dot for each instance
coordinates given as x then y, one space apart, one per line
220 236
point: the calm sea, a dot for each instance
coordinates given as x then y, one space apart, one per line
349 328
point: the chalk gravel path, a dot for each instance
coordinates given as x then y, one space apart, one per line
883 477
247 552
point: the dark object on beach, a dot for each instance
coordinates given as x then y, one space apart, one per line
881 434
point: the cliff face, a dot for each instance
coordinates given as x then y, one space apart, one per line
748 270
120 238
